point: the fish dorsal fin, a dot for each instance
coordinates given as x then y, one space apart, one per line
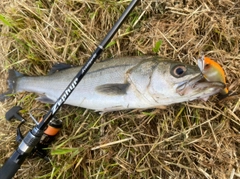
113 89
58 67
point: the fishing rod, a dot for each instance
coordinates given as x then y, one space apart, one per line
33 137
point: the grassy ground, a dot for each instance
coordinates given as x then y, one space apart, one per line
190 140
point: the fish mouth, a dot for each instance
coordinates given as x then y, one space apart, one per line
199 85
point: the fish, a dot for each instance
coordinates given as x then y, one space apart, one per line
212 71
139 82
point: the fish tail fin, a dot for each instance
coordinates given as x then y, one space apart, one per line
11 81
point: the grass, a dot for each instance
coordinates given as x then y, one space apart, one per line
190 140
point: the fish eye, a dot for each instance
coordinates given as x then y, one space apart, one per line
179 71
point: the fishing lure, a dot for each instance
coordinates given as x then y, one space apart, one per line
212 71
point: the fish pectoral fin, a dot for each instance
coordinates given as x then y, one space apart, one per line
58 67
113 89
45 99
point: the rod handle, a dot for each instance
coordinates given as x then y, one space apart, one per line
11 166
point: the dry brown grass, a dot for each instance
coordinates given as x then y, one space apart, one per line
191 140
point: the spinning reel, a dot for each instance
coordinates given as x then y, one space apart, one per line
47 138
38 137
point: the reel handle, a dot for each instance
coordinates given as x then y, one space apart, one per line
14 113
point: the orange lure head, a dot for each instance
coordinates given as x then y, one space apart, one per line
212 71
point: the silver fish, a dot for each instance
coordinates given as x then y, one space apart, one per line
121 83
